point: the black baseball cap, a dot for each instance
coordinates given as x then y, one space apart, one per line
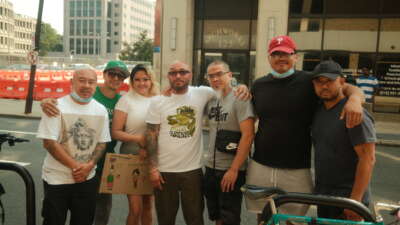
329 69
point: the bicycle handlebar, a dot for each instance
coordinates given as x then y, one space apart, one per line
311 199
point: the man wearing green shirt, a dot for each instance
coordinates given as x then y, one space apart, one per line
114 74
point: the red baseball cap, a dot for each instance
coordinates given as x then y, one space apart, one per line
282 44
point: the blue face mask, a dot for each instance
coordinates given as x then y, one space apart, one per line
78 98
282 75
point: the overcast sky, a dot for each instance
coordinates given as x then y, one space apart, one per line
52 11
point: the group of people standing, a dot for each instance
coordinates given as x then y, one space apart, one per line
167 131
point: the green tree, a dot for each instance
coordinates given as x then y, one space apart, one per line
49 40
141 50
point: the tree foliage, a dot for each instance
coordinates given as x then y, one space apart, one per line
141 50
49 40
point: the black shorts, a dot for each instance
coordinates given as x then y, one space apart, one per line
225 206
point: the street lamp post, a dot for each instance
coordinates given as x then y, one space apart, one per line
29 98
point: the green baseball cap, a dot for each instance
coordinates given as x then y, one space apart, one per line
117 65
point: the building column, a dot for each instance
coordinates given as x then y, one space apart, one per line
272 21
177 22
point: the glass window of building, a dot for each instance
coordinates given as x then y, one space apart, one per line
108 28
84 46
227 34
91 27
78 8
85 8
84 27
307 32
97 47
353 7
305 7
98 8
72 8
351 34
91 8
78 27
108 46
72 27
390 35
390 7
109 9
98 27
91 44
78 46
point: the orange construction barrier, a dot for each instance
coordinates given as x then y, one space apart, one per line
13 89
51 89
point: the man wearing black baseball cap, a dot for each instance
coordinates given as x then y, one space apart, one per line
284 101
344 157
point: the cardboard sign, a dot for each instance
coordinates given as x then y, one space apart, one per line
125 174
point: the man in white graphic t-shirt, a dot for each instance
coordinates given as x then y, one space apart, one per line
75 140
174 145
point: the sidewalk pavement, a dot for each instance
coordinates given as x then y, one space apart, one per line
387 124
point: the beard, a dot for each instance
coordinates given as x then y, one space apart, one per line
179 88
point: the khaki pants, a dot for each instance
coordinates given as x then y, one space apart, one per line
290 180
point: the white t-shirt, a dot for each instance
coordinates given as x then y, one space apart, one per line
136 106
78 129
180 139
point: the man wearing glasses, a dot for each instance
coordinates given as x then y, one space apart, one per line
175 147
114 74
284 102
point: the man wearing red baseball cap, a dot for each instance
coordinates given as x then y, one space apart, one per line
285 102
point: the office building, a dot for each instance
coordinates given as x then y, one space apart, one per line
95 28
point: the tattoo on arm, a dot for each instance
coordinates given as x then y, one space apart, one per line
98 152
151 135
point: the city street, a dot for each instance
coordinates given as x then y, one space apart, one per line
385 184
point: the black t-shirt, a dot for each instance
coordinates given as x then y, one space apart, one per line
285 109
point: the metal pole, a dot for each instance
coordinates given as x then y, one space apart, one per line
29 98
29 189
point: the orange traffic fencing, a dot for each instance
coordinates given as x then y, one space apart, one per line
48 84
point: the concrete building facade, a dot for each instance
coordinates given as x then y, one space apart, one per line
16 33
94 28
356 33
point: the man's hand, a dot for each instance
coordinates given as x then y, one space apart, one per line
229 180
81 173
242 92
141 140
49 107
156 179
352 112
350 215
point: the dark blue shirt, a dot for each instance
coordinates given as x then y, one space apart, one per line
335 157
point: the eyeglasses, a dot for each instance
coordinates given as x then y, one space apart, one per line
116 74
277 55
175 73
215 75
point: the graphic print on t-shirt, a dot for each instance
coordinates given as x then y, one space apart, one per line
183 124
217 114
80 134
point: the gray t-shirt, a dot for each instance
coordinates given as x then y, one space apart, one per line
231 112
335 157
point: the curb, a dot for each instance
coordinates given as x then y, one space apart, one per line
22 116
391 143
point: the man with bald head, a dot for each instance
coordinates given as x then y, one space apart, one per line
75 140
174 144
